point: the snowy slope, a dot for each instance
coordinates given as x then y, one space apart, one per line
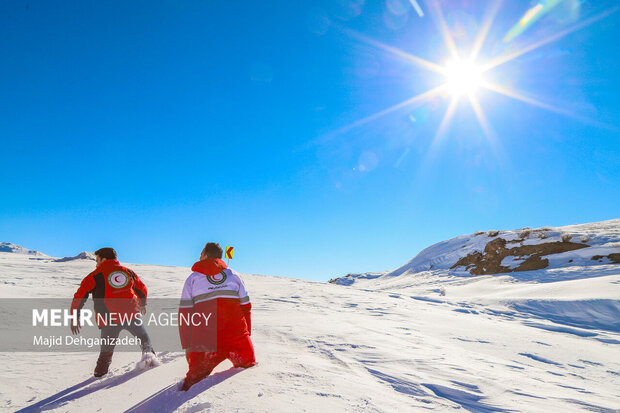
84 255
594 244
16 249
444 343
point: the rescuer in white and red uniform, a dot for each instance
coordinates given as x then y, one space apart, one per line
216 294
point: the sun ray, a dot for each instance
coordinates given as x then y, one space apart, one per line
494 143
560 111
482 120
418 99
503 59
445 31
488 21
516 95
445 122
395 51
432 150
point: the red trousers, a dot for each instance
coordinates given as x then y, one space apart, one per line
240 352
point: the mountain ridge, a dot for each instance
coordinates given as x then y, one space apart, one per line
17 249
509 251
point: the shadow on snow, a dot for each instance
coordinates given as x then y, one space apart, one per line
72 393
170 398
470 401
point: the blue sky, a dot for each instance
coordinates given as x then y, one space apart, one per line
154 127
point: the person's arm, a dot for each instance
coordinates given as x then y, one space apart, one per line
246 305
247 308
139 288
186 309
79 298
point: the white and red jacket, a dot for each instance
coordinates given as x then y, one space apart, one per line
214 289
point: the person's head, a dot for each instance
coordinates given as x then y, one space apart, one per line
103 254
211 250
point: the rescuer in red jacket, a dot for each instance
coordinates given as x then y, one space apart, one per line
214 317
119 297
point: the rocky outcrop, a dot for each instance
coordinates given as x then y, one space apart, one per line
615 258
532 256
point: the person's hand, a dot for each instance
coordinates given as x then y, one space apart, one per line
142 309
75 328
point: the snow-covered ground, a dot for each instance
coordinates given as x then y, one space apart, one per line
426 339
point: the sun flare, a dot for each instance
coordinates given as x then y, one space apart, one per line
462 77
465 77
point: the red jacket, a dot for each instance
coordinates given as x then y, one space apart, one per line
117 291
214 289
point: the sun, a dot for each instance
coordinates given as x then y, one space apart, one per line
463 77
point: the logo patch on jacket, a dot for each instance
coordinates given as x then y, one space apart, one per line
217 279
118 279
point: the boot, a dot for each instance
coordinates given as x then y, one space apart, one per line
103 363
